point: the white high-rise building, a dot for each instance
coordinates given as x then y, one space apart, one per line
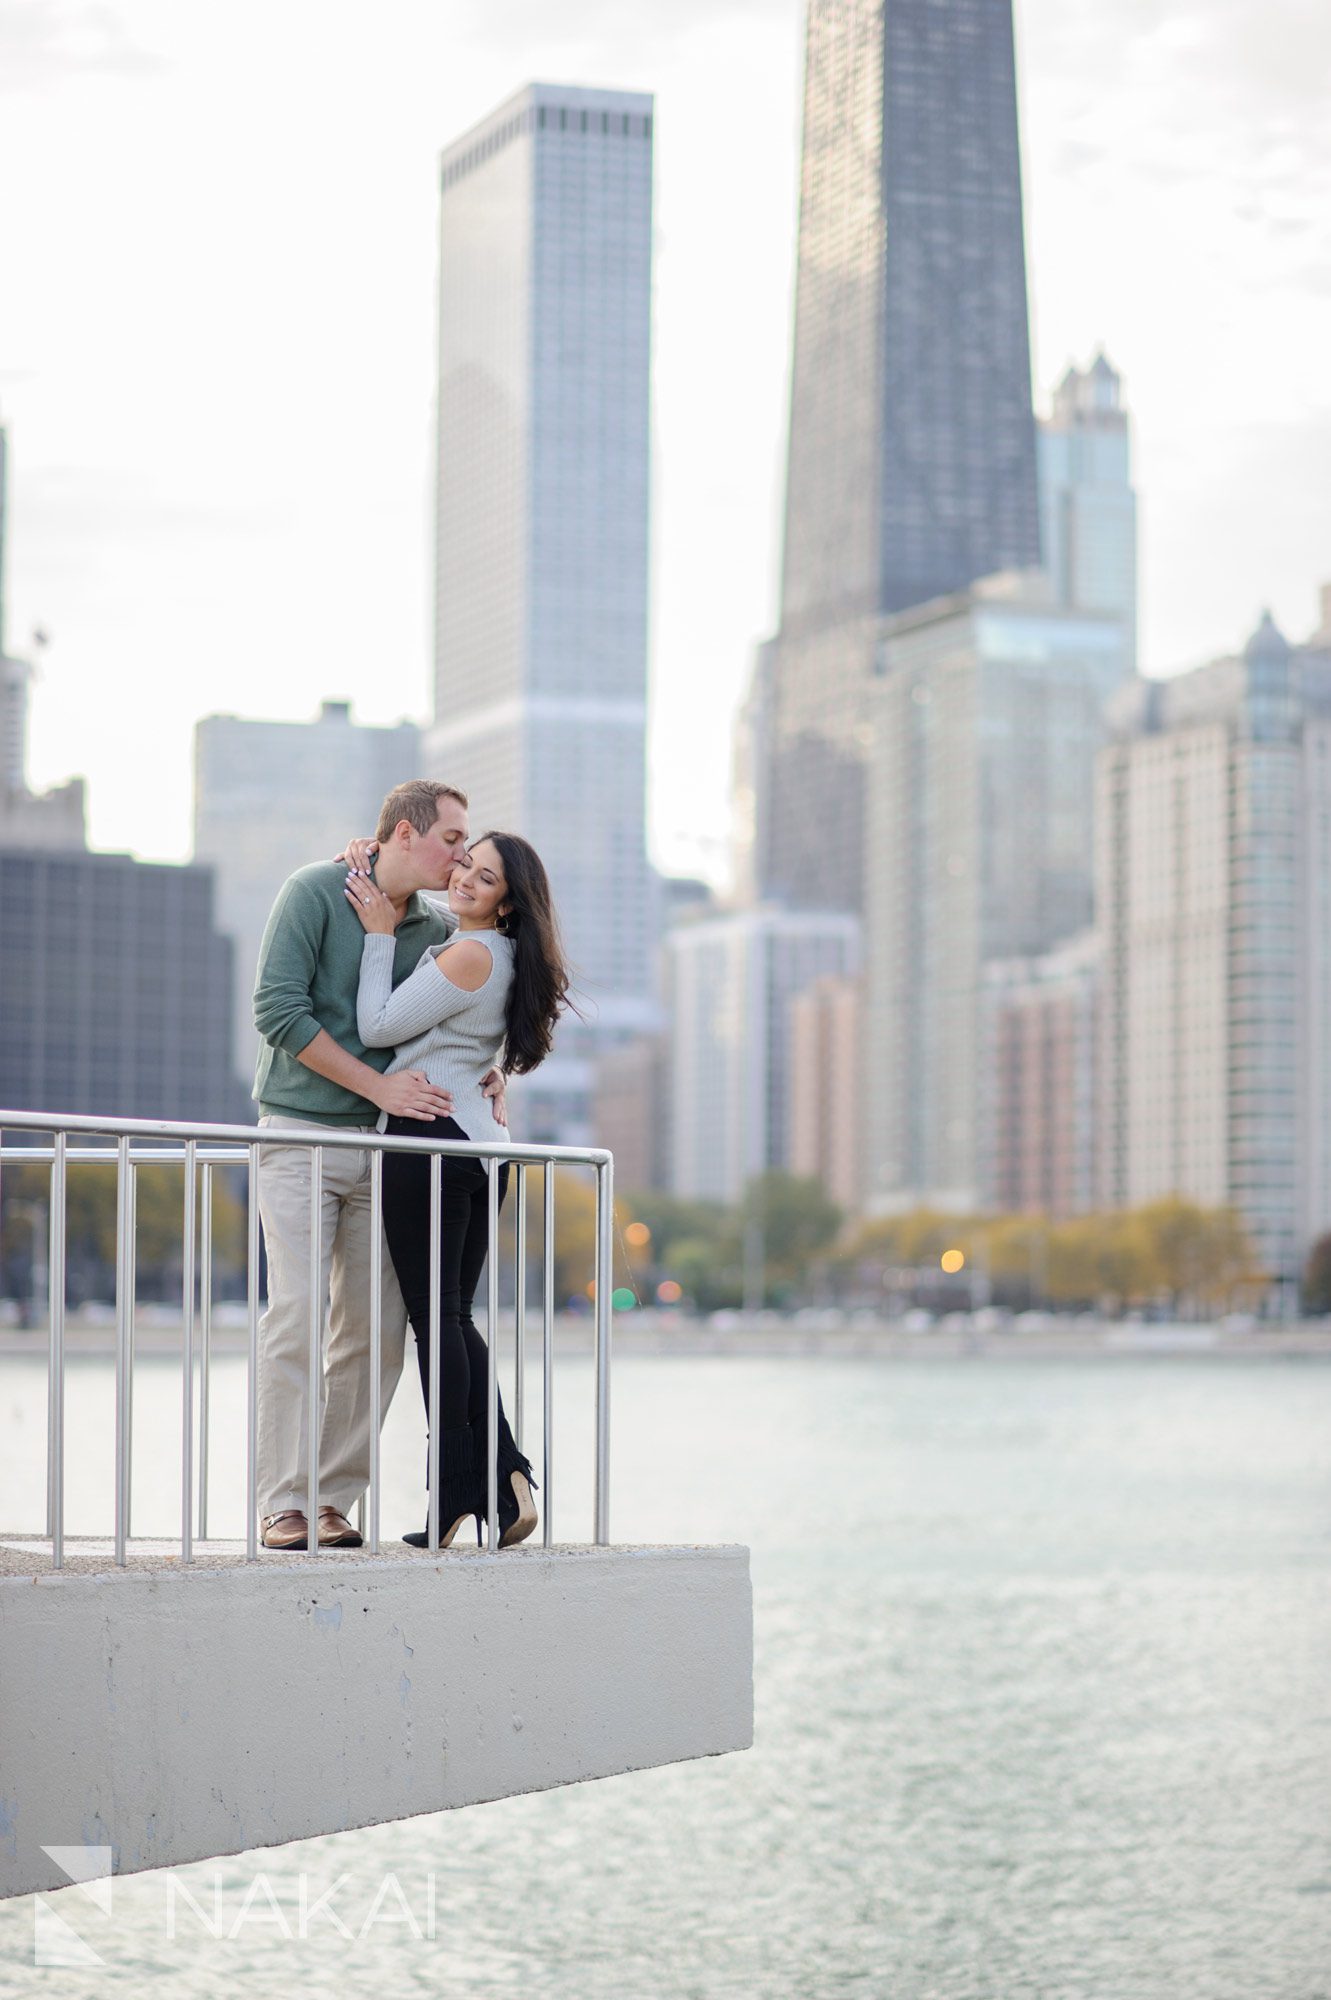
545 267
987 716
1213 897
1088 509
270 796
730 980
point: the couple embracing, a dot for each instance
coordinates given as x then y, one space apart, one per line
379 1011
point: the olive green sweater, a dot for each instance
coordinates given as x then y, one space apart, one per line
308 978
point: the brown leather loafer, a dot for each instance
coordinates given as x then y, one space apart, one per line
285 1531
336 1531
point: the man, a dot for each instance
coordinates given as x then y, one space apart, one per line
314 1071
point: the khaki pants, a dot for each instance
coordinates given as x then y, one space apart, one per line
284 1331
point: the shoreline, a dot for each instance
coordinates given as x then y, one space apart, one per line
659 1334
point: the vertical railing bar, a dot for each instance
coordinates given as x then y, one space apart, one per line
548 1352
376 1343
187 1232
520 1311
432 1373
205 1335
604 1252
56 1268
252 1381
50 1356
133 1266
315 1385
492 1357
124 1309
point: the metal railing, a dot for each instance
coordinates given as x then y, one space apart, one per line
201 1149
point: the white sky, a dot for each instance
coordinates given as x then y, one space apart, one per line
217 325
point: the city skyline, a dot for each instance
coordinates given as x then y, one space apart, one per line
221 451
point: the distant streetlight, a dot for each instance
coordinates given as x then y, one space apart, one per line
953 1261
638 1234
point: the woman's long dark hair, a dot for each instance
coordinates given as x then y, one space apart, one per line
538 994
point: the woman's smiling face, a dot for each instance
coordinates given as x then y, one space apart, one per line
478 890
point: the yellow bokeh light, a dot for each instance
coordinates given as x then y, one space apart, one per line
952 1260
637 1234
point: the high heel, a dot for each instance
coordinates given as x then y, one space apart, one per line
516 1508
520 1514
457 1488
421 1539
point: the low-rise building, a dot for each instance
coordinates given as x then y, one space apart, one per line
1038 1080
827 1087
116 997
270 796
730 980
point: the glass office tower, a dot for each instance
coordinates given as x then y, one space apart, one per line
542 531
911 468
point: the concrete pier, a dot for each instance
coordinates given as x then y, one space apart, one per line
175 1712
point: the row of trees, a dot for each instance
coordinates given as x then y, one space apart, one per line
791 1238
784 1243
90 1230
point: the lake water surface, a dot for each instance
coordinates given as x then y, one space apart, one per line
1043 1690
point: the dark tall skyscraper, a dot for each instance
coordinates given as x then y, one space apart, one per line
911 467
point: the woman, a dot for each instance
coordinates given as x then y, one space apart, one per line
500 978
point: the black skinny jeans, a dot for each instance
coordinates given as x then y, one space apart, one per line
464 1229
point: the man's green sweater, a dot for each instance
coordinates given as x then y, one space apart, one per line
308 977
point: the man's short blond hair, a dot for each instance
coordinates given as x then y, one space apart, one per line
417 802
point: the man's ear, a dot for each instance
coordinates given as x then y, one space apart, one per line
403 831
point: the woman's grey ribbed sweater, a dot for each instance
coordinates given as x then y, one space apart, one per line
435 1026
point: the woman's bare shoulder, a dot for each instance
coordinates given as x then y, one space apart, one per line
465 962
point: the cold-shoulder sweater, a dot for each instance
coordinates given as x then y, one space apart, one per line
435 1026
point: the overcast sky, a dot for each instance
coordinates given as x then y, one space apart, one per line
217 322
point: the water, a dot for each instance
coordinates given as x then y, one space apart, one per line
1043 1708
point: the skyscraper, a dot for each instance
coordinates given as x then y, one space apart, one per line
1088 510
911 469
542 531
1213 894
987 717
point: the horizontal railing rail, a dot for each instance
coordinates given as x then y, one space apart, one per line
200 1150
